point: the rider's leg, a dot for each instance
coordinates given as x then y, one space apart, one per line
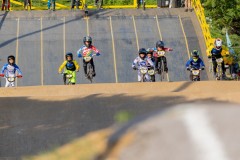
92 63
73 79
165 63
139 76
30 4
153 78
147 77
191 76
7 84
214 67
8 5
3 4
85 67
223 68
156 63
64 78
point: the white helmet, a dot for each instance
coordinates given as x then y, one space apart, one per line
218 43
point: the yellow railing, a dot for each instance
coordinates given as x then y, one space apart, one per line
17 5
199 10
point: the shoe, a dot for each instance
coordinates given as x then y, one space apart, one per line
186 10
166 69
191 10
93 74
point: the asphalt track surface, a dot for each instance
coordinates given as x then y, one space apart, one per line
40 44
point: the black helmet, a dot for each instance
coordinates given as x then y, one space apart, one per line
195 53
87 39
159 44
142 51
11 57
69 54
150 51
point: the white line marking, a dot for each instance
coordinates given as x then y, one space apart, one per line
201 132
160 35
114 52
185 37
17 45
64 37
41 35
135 29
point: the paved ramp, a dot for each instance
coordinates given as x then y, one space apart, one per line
40 43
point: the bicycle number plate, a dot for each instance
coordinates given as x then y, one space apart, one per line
219 60
195 72
11 79
151 72
87 59
69 76
161 53
143 70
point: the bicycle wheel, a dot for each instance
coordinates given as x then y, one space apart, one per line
161 70
90 72
219 72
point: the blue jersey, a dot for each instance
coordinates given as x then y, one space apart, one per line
8 69
216 53
199 63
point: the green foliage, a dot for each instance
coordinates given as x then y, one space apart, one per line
222 15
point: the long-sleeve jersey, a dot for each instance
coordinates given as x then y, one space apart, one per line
85 51
142 62
155 53
199 63
8 69
73 66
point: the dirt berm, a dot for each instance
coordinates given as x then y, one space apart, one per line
42 119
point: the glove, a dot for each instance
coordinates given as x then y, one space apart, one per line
188 68
1 75
79 56
135 68
19 76
98 54
202 68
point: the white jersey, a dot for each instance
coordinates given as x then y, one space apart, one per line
142 62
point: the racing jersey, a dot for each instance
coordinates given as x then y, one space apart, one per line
8 69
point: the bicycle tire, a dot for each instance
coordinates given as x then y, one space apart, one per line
90 72
219 71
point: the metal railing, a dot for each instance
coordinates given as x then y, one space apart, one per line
107 4
199 10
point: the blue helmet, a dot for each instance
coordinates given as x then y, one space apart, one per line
160 44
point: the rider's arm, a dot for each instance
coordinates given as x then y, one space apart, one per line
202 63
95 50
150 62
79 52
3 68
62 66
188 63
18 69
168 49
134 63
76 65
